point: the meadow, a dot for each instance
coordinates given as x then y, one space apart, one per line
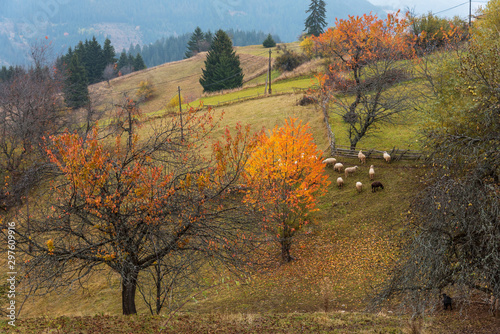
340 258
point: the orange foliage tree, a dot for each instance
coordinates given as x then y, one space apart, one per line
365 60
285 178
141 204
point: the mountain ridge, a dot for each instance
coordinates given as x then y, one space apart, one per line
65 22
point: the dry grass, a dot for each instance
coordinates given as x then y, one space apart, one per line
167 77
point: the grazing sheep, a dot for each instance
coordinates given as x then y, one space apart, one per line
361 157
350 170
338 167
340 182
371 172
376 185
330 161
387 157
359 186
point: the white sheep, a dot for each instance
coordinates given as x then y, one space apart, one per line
340 182
361 157
350 170
330 161
338 167
387 157
371 172
359 186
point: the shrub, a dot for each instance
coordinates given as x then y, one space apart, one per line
288 60
307 47
174 102
146 90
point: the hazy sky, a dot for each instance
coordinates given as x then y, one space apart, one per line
438 7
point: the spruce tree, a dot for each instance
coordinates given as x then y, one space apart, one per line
197 43
269 42
139 63
76 92
108 52
222 66
316 21
123 61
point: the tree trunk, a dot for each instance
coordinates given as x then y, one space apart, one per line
285 251
129 285
286 244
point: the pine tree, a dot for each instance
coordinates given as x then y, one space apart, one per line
269 42
139 63
76 92
108 52
197 43
316 21
222 66
123 61
95 62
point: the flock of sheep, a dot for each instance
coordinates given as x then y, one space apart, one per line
339 167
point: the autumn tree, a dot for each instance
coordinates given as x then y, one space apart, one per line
285 178
366 62
453 233
134 205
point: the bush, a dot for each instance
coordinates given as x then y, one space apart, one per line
146 90
288 60
307 47
269 42
174 102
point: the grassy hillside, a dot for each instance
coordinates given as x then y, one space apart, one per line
338 260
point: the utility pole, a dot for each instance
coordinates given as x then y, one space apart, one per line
180 112
470 12
270 90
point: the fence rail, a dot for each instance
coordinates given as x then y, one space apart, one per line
396 154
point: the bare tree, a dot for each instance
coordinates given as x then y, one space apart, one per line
109 72
452 240
30 108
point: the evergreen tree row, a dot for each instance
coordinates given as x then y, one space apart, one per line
92 56
7 73
89 63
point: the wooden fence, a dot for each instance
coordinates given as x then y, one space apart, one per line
396 154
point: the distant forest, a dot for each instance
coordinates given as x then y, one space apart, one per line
172 48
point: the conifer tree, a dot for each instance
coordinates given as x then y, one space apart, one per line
108 52
139 63
316 21
222 66
76 92
197 43
123 61
269 42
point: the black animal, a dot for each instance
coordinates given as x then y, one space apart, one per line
376 185
447 302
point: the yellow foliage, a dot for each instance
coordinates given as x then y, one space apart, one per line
307 47
50 245
174 102
146 90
